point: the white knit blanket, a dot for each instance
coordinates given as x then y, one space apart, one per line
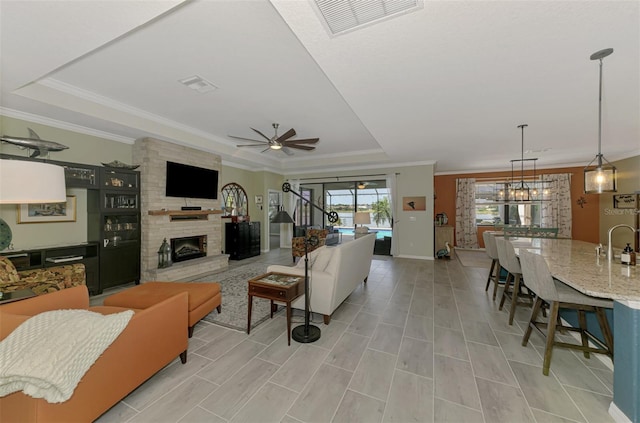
47 355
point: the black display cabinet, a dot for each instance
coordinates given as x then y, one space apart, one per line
114 223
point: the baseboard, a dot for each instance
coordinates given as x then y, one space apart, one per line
414 257
617 414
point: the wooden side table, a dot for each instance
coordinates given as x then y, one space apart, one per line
279 287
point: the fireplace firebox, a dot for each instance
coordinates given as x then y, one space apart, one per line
188 248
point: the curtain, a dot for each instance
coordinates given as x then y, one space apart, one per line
466 231
391 186
556 213
289 203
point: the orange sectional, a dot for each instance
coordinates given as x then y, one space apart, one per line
203 297
153 338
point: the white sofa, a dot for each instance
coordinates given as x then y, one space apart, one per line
334 273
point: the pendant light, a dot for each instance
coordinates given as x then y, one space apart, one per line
601 177
520 192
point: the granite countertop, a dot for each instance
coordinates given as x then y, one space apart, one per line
576 264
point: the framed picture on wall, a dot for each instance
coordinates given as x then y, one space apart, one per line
48 212
625 201
258 199
414 203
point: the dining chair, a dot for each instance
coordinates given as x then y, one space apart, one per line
492 252
508 260
557 295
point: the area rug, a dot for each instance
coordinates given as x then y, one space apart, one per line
233 284
473 258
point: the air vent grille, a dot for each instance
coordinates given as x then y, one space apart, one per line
198 83
345 15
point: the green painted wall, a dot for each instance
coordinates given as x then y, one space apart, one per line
82 149
628 183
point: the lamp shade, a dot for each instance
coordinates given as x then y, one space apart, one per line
362 218
600 179
282 217
27 182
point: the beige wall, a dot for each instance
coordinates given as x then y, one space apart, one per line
628 183
254 183
82 149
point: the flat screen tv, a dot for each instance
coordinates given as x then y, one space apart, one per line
191 181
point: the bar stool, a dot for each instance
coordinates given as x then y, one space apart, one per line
508 260
492 252
558 295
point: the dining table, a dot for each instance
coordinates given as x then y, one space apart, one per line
580 265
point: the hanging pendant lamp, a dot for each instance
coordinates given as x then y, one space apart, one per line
600 177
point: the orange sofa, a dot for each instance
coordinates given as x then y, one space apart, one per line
153 338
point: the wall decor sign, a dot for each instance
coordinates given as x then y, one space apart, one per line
625 201
414 203
48 212
258 199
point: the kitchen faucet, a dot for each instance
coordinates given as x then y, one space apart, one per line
609 246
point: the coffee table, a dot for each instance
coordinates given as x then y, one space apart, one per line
274 286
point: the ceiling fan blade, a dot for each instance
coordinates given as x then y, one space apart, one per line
263 135
251 145
266 149
290 133
287 151
301 147
247 139
303 141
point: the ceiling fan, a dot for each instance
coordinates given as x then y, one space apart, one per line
281 142
365 184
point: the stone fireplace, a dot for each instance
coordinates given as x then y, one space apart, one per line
162 217
188 248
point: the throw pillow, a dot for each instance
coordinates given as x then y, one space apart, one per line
323 258
8 271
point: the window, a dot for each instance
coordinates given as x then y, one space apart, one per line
234 200
490 211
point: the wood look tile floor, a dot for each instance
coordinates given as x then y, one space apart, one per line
420 342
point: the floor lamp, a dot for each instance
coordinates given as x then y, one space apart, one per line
307 333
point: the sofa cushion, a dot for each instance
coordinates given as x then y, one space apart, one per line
8 272
318 259
323 258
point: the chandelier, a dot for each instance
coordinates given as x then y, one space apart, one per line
527 188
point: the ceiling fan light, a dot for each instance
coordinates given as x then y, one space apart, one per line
275 146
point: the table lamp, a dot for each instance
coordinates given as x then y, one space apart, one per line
362 218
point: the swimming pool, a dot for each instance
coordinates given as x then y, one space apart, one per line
380 233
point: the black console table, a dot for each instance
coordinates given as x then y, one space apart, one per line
242 240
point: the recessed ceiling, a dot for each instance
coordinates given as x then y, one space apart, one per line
447 83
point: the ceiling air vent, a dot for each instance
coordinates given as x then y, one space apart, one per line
198 84
346 15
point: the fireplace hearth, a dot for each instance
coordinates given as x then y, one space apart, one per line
188 248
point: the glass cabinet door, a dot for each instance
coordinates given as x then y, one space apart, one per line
80 177
119 179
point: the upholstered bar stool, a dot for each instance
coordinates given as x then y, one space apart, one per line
508 260
558 295
492 252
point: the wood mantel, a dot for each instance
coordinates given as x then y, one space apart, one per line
183 212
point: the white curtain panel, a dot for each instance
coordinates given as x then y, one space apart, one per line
289 203
391 186
556 213
466 231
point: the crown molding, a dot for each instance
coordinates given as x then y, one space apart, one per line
17 114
